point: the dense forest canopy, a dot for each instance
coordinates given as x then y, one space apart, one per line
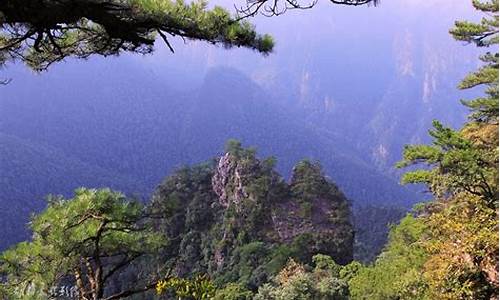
233 227
244 220
234 219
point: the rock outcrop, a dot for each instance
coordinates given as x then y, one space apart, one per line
227 181
217 213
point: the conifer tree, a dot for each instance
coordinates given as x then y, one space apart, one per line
462 174
83 243
483 34
41 32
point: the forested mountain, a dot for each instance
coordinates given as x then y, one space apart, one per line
143 131
234 218
240 226
40 166
143 116
238 220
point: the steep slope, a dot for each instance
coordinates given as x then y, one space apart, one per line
29 169
143 117
144 129
238 219
230 105
371 77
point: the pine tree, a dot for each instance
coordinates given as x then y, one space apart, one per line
84 243
462 174
483 34
41 32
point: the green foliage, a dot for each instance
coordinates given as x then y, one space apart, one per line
198 288
279 256
308 181
372 224
306 209
463 248
466 161
184 202
314 192
461 241
332 288
297 281
233 291
240 222
298 287
248 265
266 292
483 34
350 270
326 263
84 241
458 165
83 28
396 274
235 148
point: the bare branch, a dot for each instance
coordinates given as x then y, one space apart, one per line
270 8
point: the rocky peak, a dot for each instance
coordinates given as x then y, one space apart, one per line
227 181
254 206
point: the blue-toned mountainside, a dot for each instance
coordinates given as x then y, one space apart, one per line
343 151
347 97
39 167
144 137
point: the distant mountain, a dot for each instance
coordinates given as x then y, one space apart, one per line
144 136
345 86
373 77
30 171
229 105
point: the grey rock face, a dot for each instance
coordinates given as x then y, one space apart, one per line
228 181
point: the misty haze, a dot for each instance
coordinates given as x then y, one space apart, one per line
222 163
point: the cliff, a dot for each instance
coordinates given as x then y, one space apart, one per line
237 219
